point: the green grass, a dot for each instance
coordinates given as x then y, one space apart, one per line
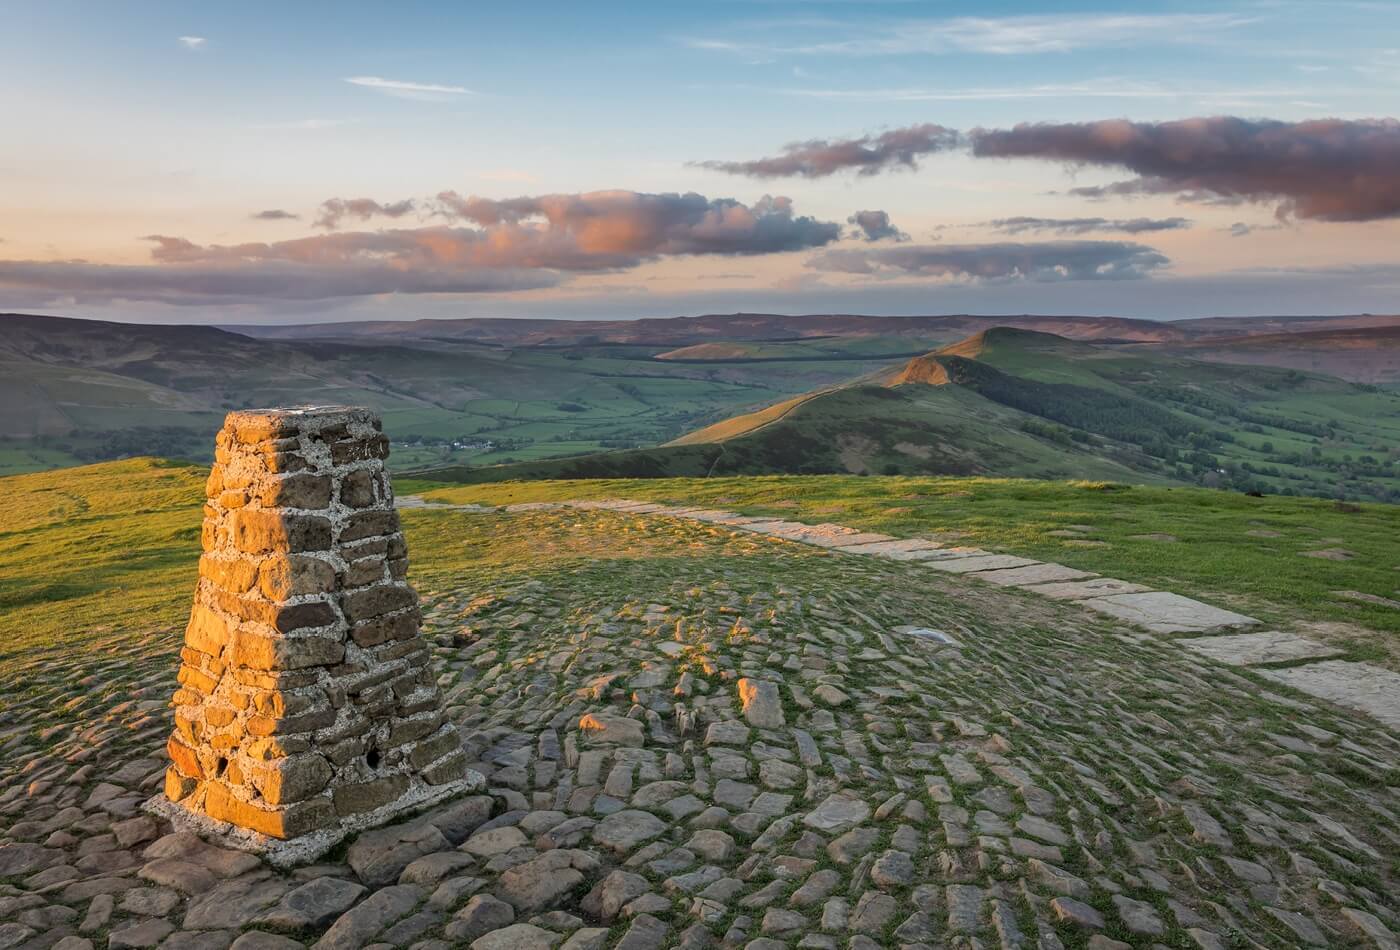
96 548
115 546
16 458
1214 557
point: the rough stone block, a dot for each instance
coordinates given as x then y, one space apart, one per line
293 778
265 531
367 796
297 491
235 574
207 632
357 489
370 524
375 601
284 822
293 575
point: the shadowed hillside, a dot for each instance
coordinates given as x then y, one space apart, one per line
80 390
487 392
1015 402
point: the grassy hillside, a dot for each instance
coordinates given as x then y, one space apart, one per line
1257 427
74 390
478 393
115 545
1020 403
95 548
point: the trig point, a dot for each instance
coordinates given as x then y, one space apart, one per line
307 706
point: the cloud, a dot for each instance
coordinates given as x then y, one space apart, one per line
633 224
1050 261
193 42
223 283
870 154
1324 169
403 89
274 214
1241 229
334 210
999 36
1107 87
518 244
875 226
1020 225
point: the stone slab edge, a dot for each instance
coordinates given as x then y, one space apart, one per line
291 852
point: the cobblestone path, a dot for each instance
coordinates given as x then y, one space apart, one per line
696 737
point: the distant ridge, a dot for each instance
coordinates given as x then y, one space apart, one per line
1008 401
821 392
931 368
772 327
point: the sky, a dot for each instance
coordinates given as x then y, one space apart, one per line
290 163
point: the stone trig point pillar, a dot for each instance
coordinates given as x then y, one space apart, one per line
307 706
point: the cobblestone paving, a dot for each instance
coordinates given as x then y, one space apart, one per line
700 737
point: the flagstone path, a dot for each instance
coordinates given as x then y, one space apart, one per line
1362 686
697 734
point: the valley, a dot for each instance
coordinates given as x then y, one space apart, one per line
1303 406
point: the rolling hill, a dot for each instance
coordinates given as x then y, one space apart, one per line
1013 402
82 390
484 392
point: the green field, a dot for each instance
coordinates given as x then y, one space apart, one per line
115 545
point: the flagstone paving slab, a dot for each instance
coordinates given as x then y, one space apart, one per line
1362 686
1248 649
1165 612
983 562
909 549
1083 590
1032 574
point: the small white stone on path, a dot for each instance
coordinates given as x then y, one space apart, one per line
928 633
1372 690
986 562
1165 612
1032 574
1083 590
1247 649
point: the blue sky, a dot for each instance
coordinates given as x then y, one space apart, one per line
184 121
